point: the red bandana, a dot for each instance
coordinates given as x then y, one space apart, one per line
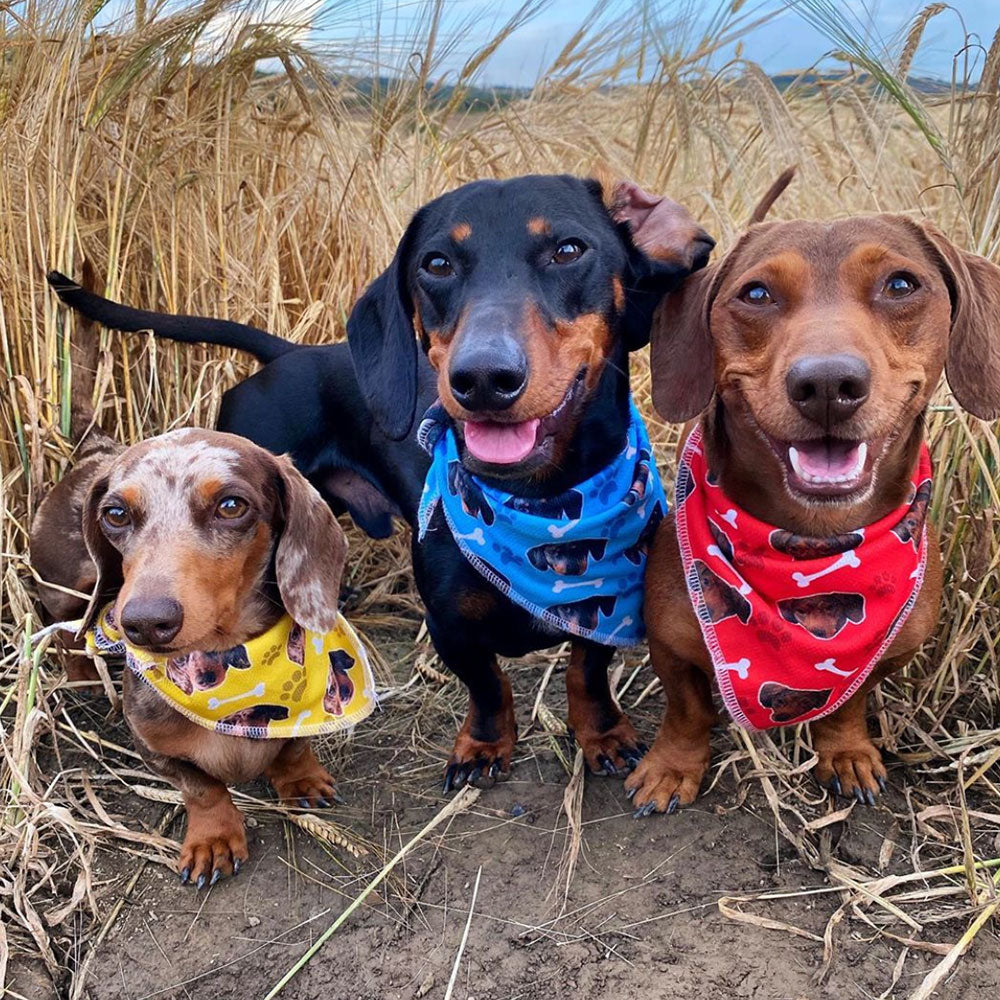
794 625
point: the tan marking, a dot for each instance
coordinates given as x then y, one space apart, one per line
461 232
475 604
618 291
207 490
539 226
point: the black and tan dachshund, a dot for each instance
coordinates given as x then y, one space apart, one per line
526 296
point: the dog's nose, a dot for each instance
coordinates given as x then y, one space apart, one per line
489 376
827 389
151 621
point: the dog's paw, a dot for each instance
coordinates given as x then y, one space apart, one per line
311 787
215 845
665 779
853 771
614 751
481 762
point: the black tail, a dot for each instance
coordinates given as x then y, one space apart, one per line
187 329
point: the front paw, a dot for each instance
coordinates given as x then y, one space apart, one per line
854 771
666 779
481 762
613 751
215 845
304 783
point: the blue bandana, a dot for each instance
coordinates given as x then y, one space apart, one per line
574 561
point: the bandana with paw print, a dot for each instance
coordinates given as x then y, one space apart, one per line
285 683
794 625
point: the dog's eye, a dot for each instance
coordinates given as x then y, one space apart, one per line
230 508
901 284
568 251
116 516
438 265
756 294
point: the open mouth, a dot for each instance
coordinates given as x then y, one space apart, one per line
505 442
826 467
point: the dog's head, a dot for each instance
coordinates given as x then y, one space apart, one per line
200 535
520 292
823 342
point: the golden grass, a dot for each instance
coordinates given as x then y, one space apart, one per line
204 188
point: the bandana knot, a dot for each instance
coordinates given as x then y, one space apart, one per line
574 561
794 625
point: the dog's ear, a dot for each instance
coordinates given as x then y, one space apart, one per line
855 608
107 559
973 360
664 245
681 359
383 344
310 554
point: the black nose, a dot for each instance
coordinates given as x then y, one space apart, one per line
490 375
151 621
827 389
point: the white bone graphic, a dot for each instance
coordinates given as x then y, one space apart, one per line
631 452
741 667
714 550
828 665
256 692
729 517
560 585
318 644
848 558
624 623
302 717
473 536
556 532
916 573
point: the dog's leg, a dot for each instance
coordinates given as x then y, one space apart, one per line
849 763
601 728
670 774
299 778
485 743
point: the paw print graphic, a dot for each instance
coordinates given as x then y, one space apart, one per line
270 656
773 637
883 584
292 689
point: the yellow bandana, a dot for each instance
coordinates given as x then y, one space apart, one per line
287 682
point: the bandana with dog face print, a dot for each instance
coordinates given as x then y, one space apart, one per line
574 561
794 625
286 683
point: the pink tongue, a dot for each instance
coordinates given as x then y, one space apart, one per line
827 460
500 444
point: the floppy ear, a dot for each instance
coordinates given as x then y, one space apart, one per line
311 552
107 559
973 361
664 245
681 358
384 345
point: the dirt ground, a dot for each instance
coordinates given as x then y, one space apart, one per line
640 916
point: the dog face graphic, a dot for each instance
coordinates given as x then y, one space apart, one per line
568 505
295 647
204 671
339 686
823 615
804 547
722 540
585 614
474 501
911 527
567 558
788 704
720 600
256 717
637 552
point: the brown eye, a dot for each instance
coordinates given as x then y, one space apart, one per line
438 265
568 251
900 284
756 294
230 508
115 517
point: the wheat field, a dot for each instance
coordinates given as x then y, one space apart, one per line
203 185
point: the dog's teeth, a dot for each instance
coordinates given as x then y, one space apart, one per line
862 455
793 457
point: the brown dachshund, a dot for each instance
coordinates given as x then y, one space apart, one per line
203 540
807 335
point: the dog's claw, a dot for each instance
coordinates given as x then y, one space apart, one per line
869 796
882 784
216 875
644 811
494 769
322 803
836 786
201 881
338 798
474 775
237 865
859 796
304 803
185 876
608 766
675 801
630 792
449 776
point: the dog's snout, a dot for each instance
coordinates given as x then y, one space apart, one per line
490 375
151 622
827 389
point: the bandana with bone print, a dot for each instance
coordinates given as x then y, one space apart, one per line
794 625
286 683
